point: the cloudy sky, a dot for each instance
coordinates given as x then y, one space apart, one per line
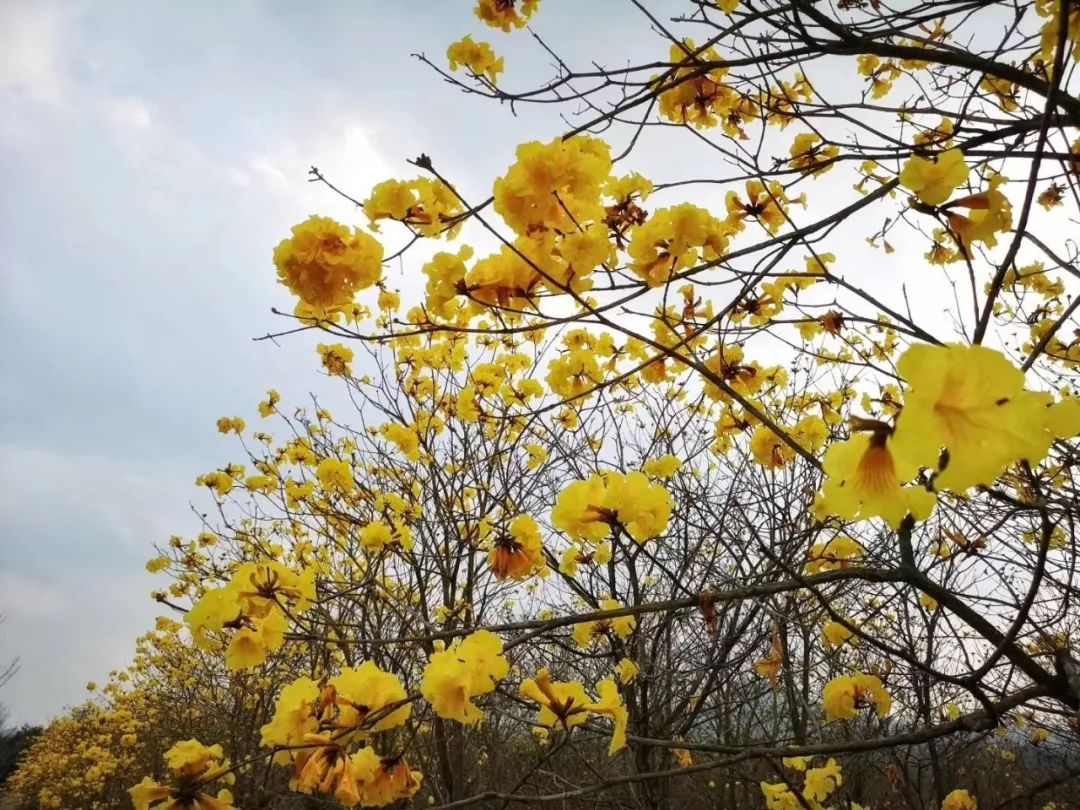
151 155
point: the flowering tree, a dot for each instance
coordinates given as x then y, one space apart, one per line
673 497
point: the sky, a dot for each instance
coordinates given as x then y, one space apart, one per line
151 156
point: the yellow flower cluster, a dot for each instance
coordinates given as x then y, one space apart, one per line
428 207
477 57
506 14
252 604
519 553
454 677
325 263
967 416
588 510
844 697
194 766
566 704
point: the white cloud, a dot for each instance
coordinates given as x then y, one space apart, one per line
131 114
25 597
29 59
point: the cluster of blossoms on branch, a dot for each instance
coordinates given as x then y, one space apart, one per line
667 487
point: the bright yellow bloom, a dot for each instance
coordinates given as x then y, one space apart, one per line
839 552
934 179
835 634
336 358
506 14
626 671
969 401
809 156
567 704
663 467
578 513
325 263
250 645
468 669
405 437
230 425
335 475
989 213
587 634
779 796
294 714
519 553
191 763
845 696
587 510
478 57
674 239
428 207
864 480
555 186
959 800
366 697
383 780
821 782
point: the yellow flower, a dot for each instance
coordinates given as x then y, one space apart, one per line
934 179
626 671
864 478
989 213
638 505
554 186
406 439
843 697
519 553
780 797
366 697
809 156
835 634
839 552
336 359
567 704
335 475
478 57
234 424
294 714
506 14
327 770
587 510
959 800
586 634
193 764
578 513
325 263
376 536
470 668
769 450
770 666
821 782
969 401
682 757
269 405
663 467
250 645
383 780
